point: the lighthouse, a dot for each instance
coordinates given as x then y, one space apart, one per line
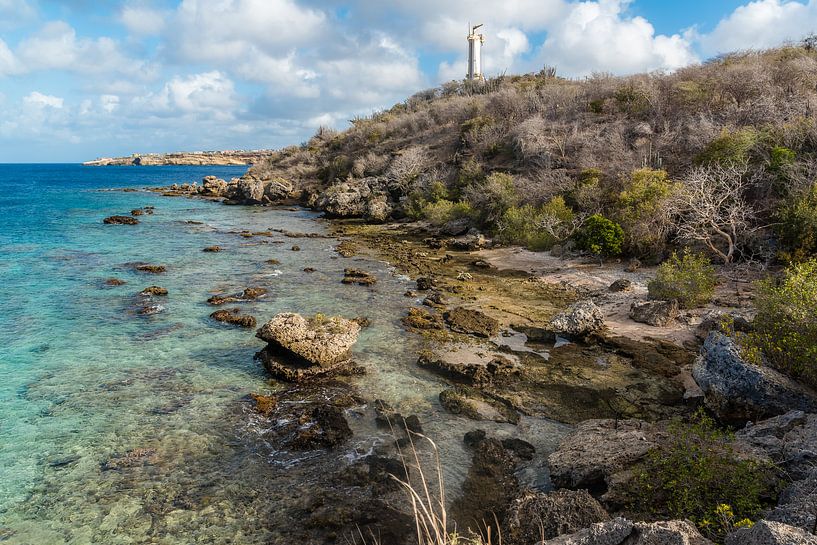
475 42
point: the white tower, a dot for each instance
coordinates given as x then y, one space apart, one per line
475 42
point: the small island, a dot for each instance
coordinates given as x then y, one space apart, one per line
229 157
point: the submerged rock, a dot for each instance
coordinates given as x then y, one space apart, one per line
579 320
133 458
154 290
475 405
358 276
248 294
471 322
114 282
534 516
654 313
152 269
738 391
233 316
212 249
321 340
422 319
120 220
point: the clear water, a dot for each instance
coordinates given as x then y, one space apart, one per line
83 378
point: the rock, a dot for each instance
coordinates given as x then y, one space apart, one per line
356 198
723 322
738 391
233 317
456 227
120 220
136 212
770 533
421 319
321 340
470 243
622 284
579 320
249 294
797 504
632 266
152 269
133 458
471 403
473 373
389 419
154 290
425 283
489 488
309 269
147 310
264 404
277 189
346 249
597 449
296 248
465 277
654 313
474 437
471 322
322 426
612 532
114 282
666 532
212 249
249 191
482 264
435 300
213 187
358 276
272 262
536 515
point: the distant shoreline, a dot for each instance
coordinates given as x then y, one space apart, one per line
230 157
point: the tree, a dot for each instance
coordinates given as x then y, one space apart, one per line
601 236
713 209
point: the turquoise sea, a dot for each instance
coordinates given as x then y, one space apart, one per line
85 379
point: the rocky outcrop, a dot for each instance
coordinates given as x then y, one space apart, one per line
253 190
536 515
229 157
233 316
471 322
356 198
154 290
654 313
300 348
621 531
579 320
738 391
120 220
479 374
213 187
248 294
358 276
476 405
149 268
770 533
597 449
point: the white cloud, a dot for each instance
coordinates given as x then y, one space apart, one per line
210 93
109 103
759 24
8 64
39 100
598 36
143 21
13 12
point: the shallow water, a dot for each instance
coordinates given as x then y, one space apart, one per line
84 379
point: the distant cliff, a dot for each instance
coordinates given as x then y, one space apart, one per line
234 157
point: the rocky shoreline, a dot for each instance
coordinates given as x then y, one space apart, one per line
515 334
237 157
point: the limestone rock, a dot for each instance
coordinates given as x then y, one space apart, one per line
120 220
321 341
213 187
738 391
249 191
471 322
666 532
612 532
770 533
578 320
622 284
233 316
356 198
654 313
534 515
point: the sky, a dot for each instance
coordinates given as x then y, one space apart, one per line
81 79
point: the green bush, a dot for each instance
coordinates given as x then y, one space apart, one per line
696 474
731 147
440 212
587 195
785 327
797 226
600 236
535 228
642 208
492 197
690 279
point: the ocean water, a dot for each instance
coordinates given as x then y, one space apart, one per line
85 379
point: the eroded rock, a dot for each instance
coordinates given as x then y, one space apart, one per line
536 515
770 533
233 316
322 341
120 220
654 313
471 322
579 320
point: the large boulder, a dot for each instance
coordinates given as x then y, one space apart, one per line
770 533
654 313
249 191
322 341
356 198
578 320
738 391
277 189
612 532
213 187
598 449
536 515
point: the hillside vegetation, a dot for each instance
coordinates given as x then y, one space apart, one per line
718 156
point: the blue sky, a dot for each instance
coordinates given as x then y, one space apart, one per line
83 78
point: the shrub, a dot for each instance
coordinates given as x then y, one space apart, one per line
536 228
643 210
587 195
733 147
491 198
440 212
601 236
785 327
696 474
690 279
797 226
